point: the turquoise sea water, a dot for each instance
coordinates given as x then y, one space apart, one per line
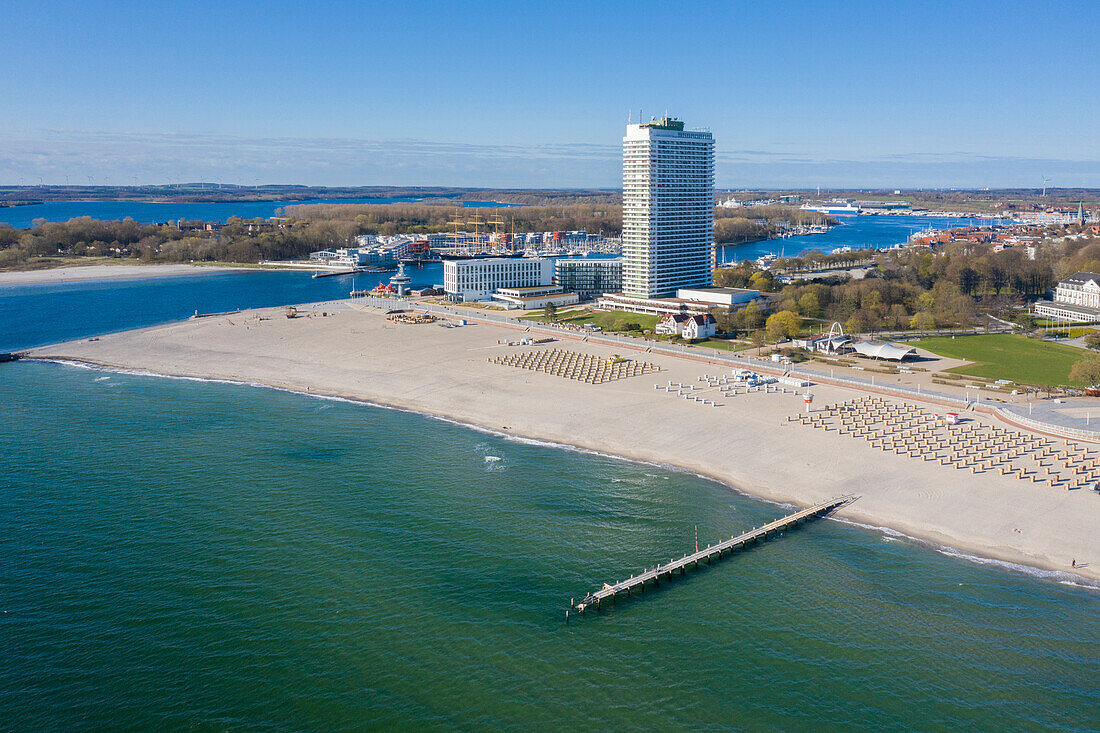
179 554
185 555
40 314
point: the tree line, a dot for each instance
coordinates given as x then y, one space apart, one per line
311 227
421 218
206 192
751 224
909 288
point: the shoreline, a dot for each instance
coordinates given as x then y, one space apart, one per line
105 272
355 354
1041 571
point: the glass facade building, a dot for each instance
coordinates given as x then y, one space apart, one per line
588 278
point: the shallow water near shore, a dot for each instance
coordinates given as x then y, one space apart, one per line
183 554
45 313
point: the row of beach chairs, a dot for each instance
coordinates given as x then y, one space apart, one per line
906 429
575 365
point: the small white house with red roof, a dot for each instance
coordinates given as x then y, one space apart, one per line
699 327
688 327
672 324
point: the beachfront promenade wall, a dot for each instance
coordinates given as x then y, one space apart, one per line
712 356
1045 427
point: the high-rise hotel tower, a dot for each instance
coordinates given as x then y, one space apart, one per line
668 208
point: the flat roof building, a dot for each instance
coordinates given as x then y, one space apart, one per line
588 278
687 300
478 279
533 298
729 297
668 208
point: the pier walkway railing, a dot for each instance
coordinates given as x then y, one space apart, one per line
712 552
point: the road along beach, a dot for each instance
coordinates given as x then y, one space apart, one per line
742 438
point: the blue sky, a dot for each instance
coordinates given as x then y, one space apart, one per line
536 94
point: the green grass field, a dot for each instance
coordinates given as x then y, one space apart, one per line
1008 356
723 345
611 320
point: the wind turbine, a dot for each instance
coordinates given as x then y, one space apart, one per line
1045 181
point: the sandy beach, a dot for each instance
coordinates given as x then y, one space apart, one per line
747 442
104 272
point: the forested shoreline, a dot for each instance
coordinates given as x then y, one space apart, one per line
909 288
912 288
307 228
750 224
206 193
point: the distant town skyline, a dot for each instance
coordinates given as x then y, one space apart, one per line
856 95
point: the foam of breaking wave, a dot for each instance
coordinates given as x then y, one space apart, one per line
1045 574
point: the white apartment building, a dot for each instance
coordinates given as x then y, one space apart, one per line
668 208
478 279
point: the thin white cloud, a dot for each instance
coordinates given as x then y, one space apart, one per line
119 157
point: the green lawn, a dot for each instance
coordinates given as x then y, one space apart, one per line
1008 356
612 320
723 344
563 315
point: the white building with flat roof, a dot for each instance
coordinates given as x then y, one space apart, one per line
534 298
687 300
478 279
728 297
668 208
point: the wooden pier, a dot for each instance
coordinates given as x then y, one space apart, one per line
712 552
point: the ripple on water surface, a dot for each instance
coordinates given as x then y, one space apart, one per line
179 554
